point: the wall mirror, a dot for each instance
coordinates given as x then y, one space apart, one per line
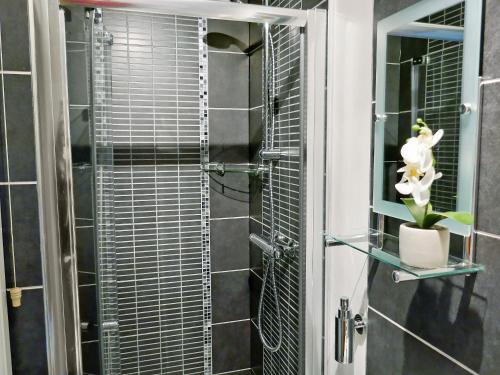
428 59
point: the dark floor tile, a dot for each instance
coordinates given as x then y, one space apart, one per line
26 234
393 352
231 346
230 296
27 335
15 35
229 195
228 136
229 245
20 127
228 80
489 194
227 36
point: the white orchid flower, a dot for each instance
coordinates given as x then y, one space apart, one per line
427 138
419 188
418 172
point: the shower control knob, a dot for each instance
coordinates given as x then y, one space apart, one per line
465 108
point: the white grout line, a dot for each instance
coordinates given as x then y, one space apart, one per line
490 81
231 321
238 270
90 342
256 274
35 287
321 3
228 52
486 234
15 72
256 220
13 183
233 371
424 342
227 109
229 218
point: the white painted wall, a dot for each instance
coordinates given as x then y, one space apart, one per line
348 166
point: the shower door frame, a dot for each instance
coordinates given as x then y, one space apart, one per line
64 347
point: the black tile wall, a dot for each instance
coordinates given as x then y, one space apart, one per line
457 315
19 124
15 35
27 335
229 195
228 80
231 346
402 353
229 247
230 296
488 220
18 192
228 131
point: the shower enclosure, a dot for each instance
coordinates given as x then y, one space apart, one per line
190 206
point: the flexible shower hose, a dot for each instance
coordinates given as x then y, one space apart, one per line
270 268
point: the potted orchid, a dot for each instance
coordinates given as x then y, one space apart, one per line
423 244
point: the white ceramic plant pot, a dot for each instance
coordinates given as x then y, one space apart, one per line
424 248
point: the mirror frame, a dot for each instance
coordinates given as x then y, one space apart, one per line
469 123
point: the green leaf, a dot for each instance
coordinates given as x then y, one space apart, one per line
431 219
416 211
460 216
434 217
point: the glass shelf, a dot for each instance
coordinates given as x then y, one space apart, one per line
385 248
